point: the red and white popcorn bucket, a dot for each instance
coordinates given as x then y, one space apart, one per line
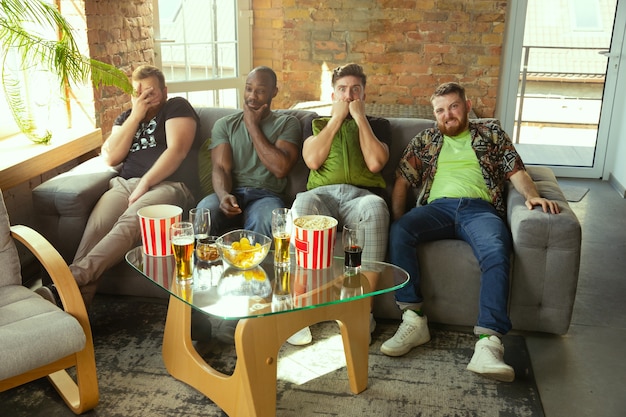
155 222
314 241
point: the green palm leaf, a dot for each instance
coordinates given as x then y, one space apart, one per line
24 29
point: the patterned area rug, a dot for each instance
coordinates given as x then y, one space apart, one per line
312 381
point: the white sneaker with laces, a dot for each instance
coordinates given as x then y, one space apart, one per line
301 337
413 331
488 360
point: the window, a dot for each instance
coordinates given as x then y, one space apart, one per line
203 47
44 100
586 16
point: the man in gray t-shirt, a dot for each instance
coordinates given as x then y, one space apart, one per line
252 152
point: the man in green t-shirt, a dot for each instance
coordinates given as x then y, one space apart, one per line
252 152
346 155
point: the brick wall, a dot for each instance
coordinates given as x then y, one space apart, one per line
120 33
407 47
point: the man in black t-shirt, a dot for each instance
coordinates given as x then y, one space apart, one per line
156 144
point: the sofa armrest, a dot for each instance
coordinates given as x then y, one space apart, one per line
547 257
63 203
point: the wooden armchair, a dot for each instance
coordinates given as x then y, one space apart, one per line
36 337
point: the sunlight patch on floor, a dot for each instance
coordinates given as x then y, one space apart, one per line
300 364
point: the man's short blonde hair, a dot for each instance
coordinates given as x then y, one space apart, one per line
146 71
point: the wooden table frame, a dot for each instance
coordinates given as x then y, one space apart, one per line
251 389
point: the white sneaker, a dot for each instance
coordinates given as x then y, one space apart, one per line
488 360
301 337
413 331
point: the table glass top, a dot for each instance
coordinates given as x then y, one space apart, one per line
229 293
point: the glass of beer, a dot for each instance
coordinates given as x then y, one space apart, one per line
201 220
182 237
353 239
282 226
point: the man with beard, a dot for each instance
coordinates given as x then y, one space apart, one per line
252 152
346 155
463 168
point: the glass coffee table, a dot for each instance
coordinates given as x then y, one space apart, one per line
271 303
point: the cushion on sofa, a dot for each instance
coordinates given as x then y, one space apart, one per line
205 169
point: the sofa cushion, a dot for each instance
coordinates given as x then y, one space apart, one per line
205 169
26 317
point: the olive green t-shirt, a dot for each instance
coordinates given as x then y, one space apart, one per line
345 163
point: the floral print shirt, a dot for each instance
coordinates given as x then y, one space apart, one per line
496 155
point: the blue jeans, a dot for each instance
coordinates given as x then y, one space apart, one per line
256 205
476 222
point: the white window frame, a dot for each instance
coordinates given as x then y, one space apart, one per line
244 56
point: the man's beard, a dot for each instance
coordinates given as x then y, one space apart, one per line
454 130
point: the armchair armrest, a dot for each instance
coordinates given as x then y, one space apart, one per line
58 270
81 392
64 203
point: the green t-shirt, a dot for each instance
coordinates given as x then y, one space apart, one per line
345 163
248 170
458 172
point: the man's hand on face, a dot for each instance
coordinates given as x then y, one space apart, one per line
145 101
357 108
253 116
340 108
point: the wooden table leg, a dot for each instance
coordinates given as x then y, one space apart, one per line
251 389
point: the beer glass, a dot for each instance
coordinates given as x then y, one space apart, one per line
201 220
353 239
182 238
281 231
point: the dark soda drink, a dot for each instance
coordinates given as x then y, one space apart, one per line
353 256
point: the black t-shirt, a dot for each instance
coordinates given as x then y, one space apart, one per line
150 142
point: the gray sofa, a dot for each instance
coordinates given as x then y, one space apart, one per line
545 263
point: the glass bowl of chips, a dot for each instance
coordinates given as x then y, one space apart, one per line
243 249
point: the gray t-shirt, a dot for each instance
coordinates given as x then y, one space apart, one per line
248 170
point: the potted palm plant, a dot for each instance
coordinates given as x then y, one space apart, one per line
52 49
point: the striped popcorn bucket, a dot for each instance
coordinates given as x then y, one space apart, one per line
314 241
155 222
